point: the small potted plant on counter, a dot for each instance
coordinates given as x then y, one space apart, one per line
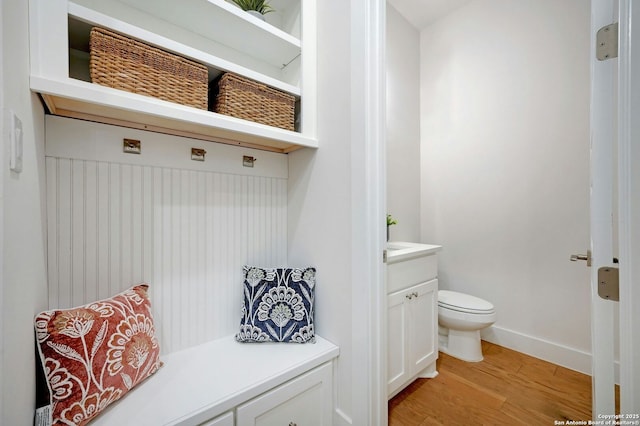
390 221
257 8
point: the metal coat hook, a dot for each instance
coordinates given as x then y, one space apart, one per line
197 154
248 161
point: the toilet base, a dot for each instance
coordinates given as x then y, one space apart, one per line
464 345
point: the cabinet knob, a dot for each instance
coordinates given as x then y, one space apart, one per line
412 295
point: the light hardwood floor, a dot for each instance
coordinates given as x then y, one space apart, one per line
506 388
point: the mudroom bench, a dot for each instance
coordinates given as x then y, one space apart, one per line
226 383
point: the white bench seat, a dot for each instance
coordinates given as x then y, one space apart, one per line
202 382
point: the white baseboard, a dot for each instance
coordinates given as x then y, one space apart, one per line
555 353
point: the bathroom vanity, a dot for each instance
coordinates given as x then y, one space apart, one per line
412 313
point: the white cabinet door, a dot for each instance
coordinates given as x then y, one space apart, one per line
397 368
222 420
304 401
412 321
423 322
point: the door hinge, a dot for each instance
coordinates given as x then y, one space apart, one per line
607 42
384 256
609 283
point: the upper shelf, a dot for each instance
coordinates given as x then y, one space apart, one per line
59 29
227 24
166 37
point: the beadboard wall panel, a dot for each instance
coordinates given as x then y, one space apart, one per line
185 232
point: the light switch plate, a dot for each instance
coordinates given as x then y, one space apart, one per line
14 125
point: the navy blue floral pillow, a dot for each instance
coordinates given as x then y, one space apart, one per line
278 305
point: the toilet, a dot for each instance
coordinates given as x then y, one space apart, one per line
460 319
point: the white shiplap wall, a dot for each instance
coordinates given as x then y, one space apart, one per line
114 221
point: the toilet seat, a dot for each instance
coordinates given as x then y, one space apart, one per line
461 302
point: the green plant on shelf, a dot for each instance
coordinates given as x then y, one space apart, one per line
260 6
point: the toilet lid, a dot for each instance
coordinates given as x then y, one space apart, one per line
463 302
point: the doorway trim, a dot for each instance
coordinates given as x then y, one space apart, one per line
368 200
629 208
2 172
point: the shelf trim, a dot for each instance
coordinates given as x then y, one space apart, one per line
137 111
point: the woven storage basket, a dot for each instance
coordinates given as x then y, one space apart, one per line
122 63
249 100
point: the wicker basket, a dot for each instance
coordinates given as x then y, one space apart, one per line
122 63
246 99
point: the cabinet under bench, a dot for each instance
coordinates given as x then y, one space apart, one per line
226 383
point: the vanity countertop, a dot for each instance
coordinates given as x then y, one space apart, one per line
398 251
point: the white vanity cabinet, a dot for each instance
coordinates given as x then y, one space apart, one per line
280 53
412 314
412 342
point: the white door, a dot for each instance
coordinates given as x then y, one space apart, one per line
613 207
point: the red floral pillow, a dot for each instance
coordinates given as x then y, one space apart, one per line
92 355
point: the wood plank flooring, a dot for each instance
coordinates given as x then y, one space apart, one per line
506 388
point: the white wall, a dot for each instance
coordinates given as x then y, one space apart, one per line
328 207
403 127
505 166
319 195
24 276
